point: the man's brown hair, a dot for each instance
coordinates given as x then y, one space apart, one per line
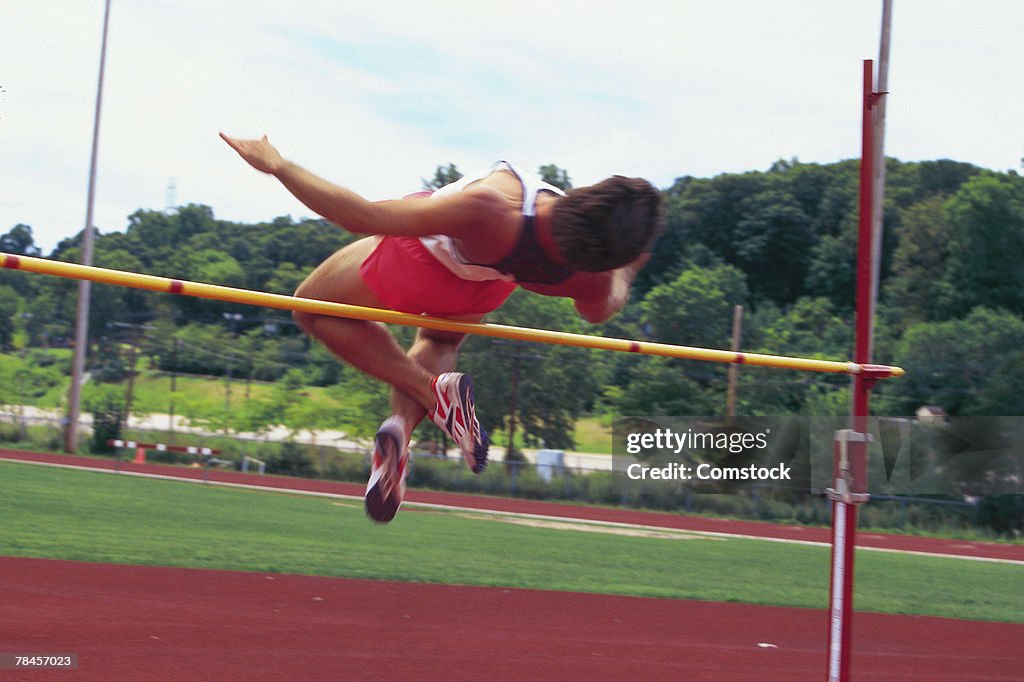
607 225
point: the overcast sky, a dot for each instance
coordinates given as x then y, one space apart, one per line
374 94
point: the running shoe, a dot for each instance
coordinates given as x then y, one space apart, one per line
386 487
456 415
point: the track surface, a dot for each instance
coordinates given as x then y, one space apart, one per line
128 622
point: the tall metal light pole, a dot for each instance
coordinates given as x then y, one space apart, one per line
84 289
878 125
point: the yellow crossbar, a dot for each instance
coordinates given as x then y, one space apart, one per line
260 298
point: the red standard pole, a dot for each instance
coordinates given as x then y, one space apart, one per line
851 447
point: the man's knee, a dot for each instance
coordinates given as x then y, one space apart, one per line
438 336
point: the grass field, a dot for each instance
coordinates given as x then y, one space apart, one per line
67 514
593 436
152 393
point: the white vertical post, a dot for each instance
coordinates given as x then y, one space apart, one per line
878 125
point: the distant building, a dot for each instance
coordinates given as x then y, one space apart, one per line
932 414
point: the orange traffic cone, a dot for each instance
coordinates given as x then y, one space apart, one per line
140 455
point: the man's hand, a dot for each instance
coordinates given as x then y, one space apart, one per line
259 154
615 294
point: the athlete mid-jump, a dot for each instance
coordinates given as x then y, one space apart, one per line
458 253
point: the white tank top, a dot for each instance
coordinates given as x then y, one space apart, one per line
443 248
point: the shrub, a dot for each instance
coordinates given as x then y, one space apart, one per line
291 460
1002 513
107 408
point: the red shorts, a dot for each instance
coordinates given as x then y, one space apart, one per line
407 278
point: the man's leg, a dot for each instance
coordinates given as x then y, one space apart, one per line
367 346
370 348
436 351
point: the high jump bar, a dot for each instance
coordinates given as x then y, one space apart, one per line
218 292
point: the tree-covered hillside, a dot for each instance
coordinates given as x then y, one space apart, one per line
779 242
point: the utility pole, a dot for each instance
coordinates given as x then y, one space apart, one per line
514 404
174 383
135 335
130 392
84 290
233 319
734 369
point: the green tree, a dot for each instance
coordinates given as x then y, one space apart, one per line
285 279
556 384
106 403
942 177
1002 392
919 261
694 309
443 175
553 175
10 304
956 364
365 402
660 386
773 240
832 267
986 238
19 240
809 328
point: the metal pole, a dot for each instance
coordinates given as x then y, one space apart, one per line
513 406
878 198
130 391
174 385
84 286
734 369
850 473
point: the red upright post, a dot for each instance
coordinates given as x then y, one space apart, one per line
850 473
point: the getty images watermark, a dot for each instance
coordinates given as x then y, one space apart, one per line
709 455
718 440
961 457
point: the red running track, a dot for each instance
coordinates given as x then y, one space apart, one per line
143 623
140 623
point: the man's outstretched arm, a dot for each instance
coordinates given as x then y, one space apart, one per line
453 215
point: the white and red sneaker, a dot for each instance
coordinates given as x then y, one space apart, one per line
386 487
456 415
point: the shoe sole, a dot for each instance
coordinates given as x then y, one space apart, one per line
468 397
379 507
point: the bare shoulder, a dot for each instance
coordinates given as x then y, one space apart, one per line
479 205
505 181
499 191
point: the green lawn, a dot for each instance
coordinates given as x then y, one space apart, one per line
152 393
593 436
88 516
38 377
